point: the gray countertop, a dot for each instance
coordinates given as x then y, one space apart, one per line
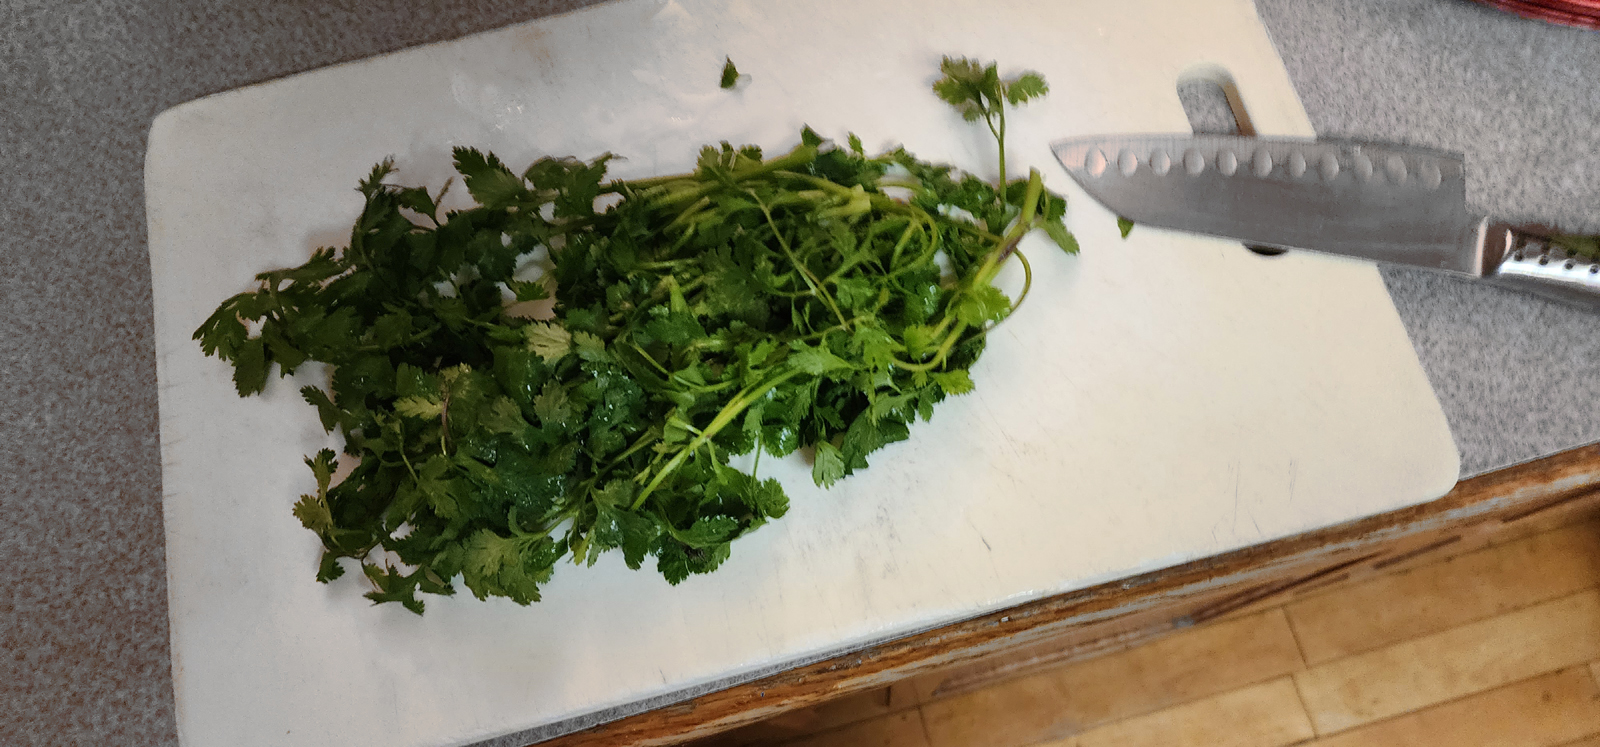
83 623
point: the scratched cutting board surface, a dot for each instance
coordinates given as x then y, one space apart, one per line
1156 400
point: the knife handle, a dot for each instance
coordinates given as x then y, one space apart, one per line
1530 263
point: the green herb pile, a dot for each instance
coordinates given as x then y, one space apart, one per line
822 300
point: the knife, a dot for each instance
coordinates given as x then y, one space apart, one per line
1374 201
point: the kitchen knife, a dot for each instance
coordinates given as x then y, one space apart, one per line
1373 201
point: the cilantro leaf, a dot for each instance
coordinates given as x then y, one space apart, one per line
730 74
551 342
312 509
553 407
956 381
490 182
590 347
327 411
418 407
328 568
855 293
250 366
816 361
982 305
528 290
504 417
1063 238
828 467
707 531
1029 85
875 345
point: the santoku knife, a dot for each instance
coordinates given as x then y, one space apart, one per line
1373 201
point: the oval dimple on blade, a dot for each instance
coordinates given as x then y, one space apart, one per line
1428 174
1095 162
1128 162
1379 201
1297 164
1227 162
1160 162
1261 163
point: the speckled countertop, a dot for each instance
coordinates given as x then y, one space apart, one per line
83 622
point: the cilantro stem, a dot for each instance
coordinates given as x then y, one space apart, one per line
818 182
819 334
816 286
409 468
516 526
905 236
755 467
1027 280
639 443
800 156
723 417
935 243
977 231
939 355
690 212
672 375
1024 224
986 272
667 264
1000 137
414 338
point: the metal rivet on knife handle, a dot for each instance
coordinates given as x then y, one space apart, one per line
1193 162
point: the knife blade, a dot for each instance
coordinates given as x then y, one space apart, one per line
1373 201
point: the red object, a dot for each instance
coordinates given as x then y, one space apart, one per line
1580 13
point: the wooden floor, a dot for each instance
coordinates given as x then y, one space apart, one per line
1493 645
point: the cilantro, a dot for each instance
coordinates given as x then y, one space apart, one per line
549 341
1124 226
528 291
1587 247
828 467
978 92
754 304
250 367
730 74
489 181
418 407
312 510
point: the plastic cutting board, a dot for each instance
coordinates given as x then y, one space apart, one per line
1157 399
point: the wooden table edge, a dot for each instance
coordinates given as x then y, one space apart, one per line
1236 580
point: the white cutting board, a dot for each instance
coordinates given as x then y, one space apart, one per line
1156 400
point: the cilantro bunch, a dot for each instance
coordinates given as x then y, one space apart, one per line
822 300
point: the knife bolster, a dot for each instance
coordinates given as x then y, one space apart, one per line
1531 263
